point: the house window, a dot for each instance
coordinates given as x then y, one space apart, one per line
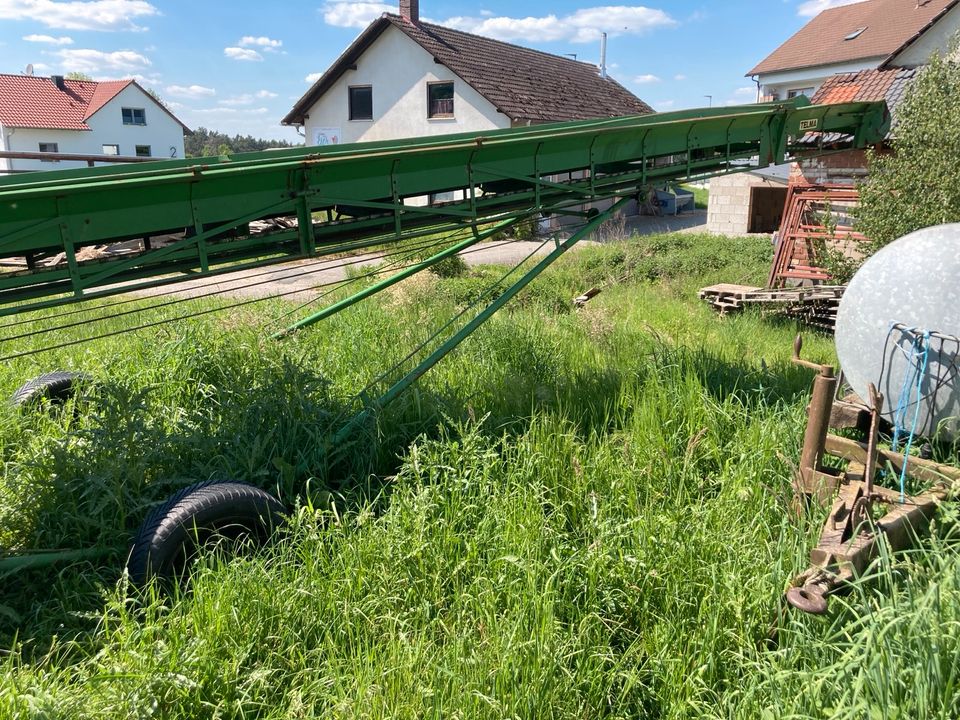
134 116
110 149
361 103
440 100
808 91
50 148
855 34
143 151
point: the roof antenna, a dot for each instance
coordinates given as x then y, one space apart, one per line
29 70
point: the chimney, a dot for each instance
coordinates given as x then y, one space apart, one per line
58 81
410 9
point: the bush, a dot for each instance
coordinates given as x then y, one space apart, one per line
918 184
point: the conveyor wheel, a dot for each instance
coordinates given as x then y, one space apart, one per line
55 386
195 518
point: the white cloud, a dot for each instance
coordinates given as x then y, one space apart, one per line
584 25
190 91
261 42
231 111
746 95
354 14
236 53
93 62
680 77
79 14
810 8
313 77
646 79
664 105
48 39
248 98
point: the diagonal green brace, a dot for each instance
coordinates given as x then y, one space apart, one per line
394 279
464 332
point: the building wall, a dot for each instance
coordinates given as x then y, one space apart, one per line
936 39
844 168
398 70
728 212
162 133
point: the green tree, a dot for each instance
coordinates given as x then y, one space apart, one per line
917 184
77 76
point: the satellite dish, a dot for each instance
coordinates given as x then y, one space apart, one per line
898 326
29 70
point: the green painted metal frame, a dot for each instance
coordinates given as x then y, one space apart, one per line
206 204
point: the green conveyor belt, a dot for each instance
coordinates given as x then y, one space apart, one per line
154 223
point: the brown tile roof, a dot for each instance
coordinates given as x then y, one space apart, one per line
523 84
890 26
865 86
31 101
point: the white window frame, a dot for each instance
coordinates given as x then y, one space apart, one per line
133 116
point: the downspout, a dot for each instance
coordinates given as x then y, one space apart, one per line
756 79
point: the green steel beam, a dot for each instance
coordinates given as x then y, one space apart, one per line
485 314
394 279
42 214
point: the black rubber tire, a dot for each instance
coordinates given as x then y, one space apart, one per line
55 386
175 530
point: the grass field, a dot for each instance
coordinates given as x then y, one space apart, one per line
579 514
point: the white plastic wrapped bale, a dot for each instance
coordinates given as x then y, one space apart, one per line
898 326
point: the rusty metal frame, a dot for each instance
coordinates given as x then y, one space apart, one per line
852 535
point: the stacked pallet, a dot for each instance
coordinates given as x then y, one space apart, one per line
814 305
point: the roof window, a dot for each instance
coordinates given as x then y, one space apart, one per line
855 34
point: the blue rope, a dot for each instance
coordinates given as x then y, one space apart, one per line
913 376
909 380
916 414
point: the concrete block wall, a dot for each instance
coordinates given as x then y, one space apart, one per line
728 212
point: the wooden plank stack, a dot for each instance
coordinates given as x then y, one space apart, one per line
814 305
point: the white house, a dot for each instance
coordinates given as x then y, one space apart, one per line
869 35
55 115
406 78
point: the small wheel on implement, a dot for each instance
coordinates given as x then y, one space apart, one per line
195 517
55 387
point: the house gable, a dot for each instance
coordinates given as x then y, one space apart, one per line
397 72
525 85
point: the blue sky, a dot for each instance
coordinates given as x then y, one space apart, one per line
238 67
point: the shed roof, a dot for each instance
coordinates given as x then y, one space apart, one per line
887 28
524 84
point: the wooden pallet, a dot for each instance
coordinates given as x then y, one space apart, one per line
815 305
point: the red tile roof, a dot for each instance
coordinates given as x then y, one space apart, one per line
889 26
104 93
866 86
29 101
523 84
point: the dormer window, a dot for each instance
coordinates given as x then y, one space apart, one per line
855 34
